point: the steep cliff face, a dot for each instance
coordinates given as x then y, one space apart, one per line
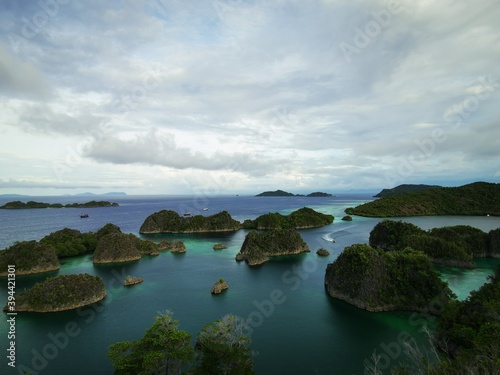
116 247
65 292
374 280
29 257
494 243
167 221
259 246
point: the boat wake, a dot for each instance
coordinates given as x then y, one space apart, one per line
332 236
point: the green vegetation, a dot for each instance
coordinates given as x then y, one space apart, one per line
70 242
453 246
302 218
480 198
319 194
33 204
164 349
167 221
259 246
64 292
469 332
29 257
276 193
116 247
221 349
382 281
281 193
405 188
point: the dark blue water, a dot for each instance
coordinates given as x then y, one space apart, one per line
296 328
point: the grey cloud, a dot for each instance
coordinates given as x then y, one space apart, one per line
152 148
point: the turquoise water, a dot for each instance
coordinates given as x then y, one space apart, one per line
296 328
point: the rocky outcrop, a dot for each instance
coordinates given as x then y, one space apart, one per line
219 246
29 257
132 280
115 248
178 247
375 280
219 286
323 252
167 221
347 218
258 247
65 292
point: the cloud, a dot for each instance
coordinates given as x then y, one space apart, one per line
261 85
154 148
20 78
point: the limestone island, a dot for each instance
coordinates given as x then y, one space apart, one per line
454 246
16 205
374 280
323 252
167 221
476 199
258 247
282 193
29 257
219 246
132 280
219 286
347 218
301 219
178 247
60 293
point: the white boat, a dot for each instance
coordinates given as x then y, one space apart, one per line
205 209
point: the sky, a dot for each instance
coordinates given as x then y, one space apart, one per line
241 96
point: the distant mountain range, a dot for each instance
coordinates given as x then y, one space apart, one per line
87 194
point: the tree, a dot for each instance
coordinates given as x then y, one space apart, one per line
222 349
164 350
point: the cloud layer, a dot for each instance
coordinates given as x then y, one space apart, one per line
270 94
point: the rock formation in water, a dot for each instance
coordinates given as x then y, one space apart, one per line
219 246
167 221
323 252
64 292
116 247
375 280
219 286
29 257
259 246
300 219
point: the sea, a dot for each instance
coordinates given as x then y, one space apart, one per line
294 325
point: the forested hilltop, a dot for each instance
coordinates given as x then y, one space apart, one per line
303 218
377 280
454 246
404 188
476 199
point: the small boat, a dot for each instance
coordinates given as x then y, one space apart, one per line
205 209
84 215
